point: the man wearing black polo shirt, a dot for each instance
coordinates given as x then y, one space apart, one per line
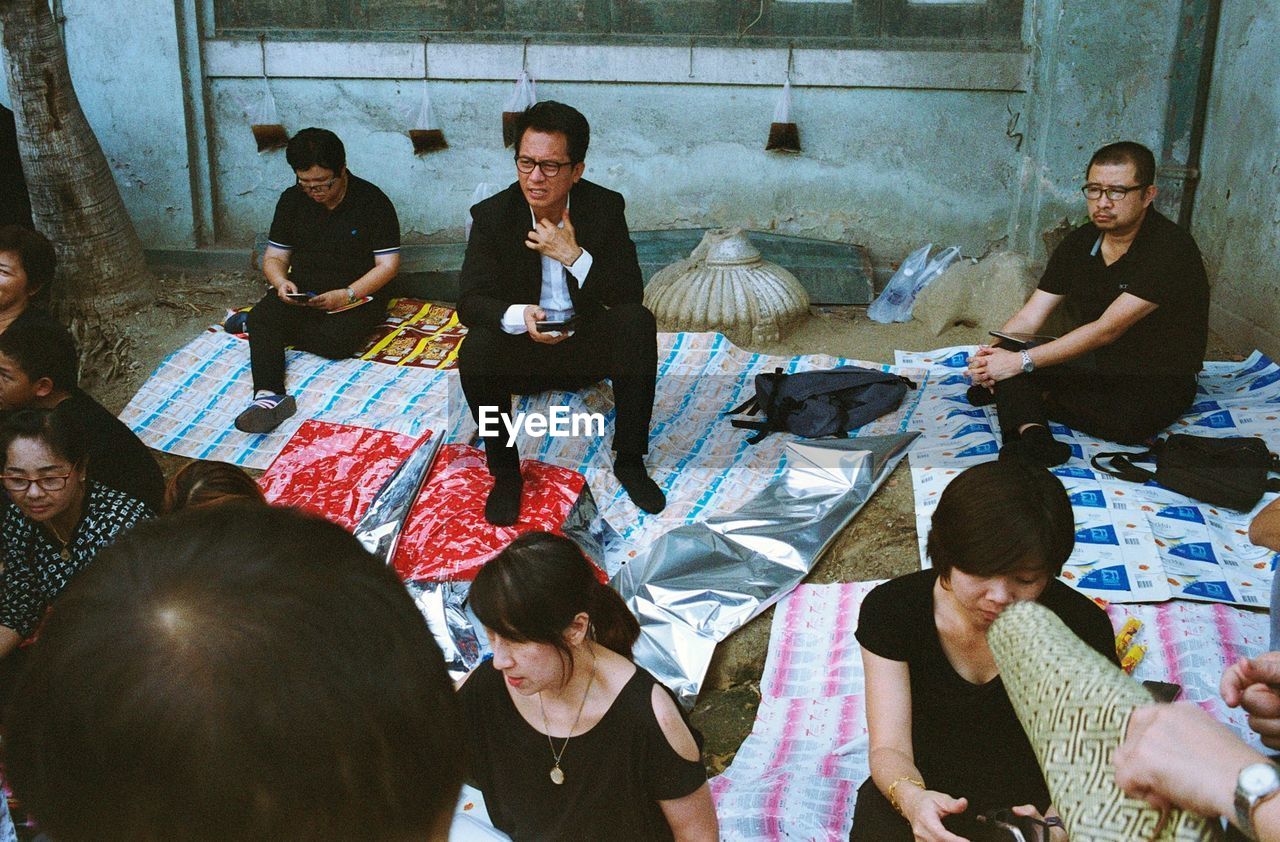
1138 285
333 246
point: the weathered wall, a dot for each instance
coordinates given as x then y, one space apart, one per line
880 168
1237 209
127 74
886 167
1100 75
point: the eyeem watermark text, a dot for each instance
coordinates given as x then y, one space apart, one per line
558 422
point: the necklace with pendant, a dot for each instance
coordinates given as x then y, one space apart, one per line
557 774
65 553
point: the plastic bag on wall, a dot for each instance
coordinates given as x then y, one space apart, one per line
483 191
784 135
428 136
524 95
264 122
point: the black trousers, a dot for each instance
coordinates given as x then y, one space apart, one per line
620 344
273 325
1128 409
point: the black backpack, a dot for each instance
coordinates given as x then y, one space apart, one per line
821 403
1230 472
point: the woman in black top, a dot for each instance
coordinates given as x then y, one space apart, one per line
58 521
945 745
569 739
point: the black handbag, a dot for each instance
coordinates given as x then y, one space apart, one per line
1230 472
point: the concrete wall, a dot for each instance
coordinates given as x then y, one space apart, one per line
890 159
880 168
1237 209
1100 74
128 77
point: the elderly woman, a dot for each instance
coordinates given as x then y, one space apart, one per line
58 521
945 745
569 738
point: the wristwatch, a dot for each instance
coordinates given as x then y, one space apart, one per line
351 295
1028 364
1256 783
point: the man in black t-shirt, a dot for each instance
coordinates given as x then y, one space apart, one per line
38 370
334 245
1138 285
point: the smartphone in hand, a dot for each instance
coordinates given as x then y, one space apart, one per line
300 297
558 325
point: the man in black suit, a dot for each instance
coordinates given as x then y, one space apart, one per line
527 262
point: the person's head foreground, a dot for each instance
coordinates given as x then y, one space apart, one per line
540 602
27 263
38 363
551 146
45 464
202 483
1002 530
238 672
1120 186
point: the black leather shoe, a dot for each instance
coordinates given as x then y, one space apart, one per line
502 508
640 487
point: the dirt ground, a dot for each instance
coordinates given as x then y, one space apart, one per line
879 543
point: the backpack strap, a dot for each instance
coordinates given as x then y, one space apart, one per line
1121 466
762 428
750 406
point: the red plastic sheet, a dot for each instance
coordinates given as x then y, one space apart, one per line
335 470
447 536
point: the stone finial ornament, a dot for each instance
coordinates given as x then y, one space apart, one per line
725 286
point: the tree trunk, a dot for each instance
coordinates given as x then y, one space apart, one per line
102 274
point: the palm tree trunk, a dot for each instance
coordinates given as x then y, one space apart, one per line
102 274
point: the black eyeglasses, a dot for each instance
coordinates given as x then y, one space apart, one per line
1093 192
318 186
549 168
21 485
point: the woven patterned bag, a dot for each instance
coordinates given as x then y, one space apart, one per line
1074 705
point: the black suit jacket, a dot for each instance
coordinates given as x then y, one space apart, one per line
500 270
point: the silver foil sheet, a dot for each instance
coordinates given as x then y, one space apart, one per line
451 619
444 604
699 583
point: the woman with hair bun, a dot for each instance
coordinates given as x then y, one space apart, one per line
203 483
569 738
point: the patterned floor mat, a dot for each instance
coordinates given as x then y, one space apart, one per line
797 774
702 463
1134 543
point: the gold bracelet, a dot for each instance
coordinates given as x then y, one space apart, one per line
893 800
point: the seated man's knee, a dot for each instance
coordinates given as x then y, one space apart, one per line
481 350
331 346
259 318
630 319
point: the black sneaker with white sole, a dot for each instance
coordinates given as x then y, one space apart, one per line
266 413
